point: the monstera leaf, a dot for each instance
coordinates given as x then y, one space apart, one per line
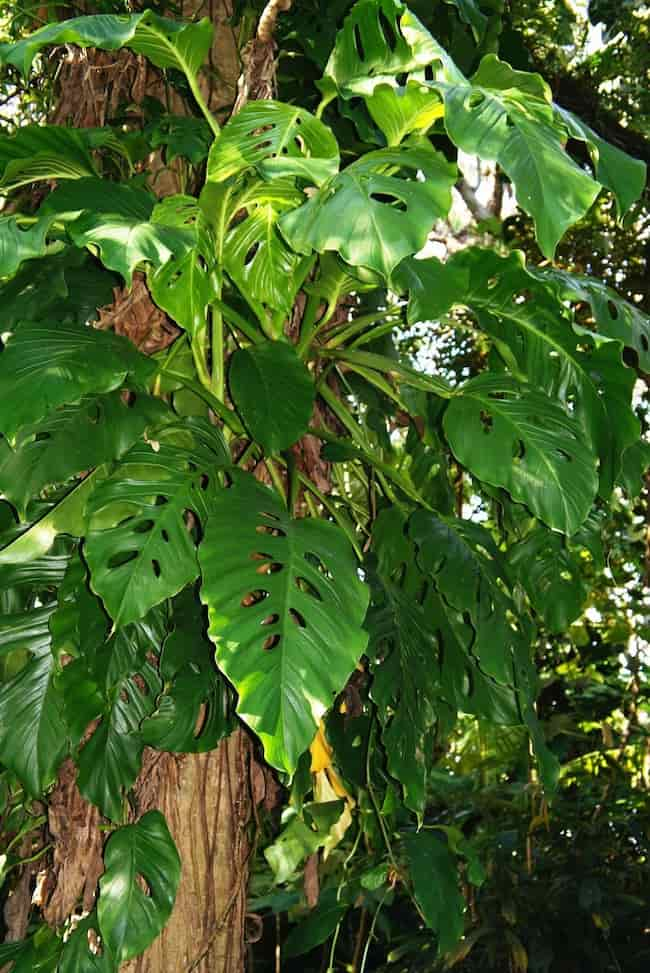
525 312
73 439
551 574
33 738
48 364
109 763
184 285
614 169
285 606
277 140
130 918
77 955
377 211
166 43
507 116
273 393
151 503
403 641
466 567
379 40
255 255
513 436
401 110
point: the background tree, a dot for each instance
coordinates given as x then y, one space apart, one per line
276 424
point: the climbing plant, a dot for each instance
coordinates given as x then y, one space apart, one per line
174 561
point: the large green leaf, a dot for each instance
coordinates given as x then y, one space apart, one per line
285 606
401 110
130 918
18 244
74 439
277 140
166 43
33 739
551 574
511 435
255 255
184 285
507 116
378 210
148 550
379 40
526 314
435 881
273 392
48 364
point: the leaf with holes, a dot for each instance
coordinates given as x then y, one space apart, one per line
184 285
507 116
194 710
551 574
379 40
33 739
273 392
75 439
377 211
129 917
277 140
166 43
285 606
48 364
513 436
109 762
524 311
256 255
465 565
154 503
79 957
615 169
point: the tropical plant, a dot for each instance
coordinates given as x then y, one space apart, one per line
281 466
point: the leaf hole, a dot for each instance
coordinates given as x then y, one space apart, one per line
204 481
156 567
387 30
428 73
613 310
270 642
143 527
644 342
253 598
486 421
270 619
308 588
389 199
298 618
358 42
272 567
165 536
474 100
562 453
121 558
518 450
161 500
492 283
251 253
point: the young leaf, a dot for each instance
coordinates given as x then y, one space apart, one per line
513 436
273 393
285 607
148 551
129 918
277 140
377 211
48 364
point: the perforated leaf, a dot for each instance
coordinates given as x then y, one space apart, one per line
276 139
273 392
513 436
255 254
75 439
152 503
48 364
289 585
377 211
379 40
129 918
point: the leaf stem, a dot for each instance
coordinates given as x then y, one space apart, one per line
228 416
193 82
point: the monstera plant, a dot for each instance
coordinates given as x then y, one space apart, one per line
174 560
